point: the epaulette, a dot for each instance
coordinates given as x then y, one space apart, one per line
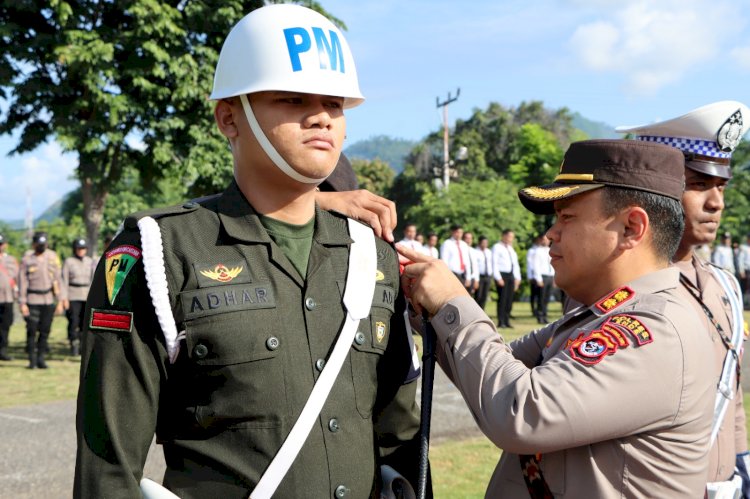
615 299
131 222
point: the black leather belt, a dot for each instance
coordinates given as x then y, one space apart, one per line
78 285
39 291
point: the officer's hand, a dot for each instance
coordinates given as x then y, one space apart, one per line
59 308
500 282
25 310
540 284
517 285
428 282
66 304
377 212
467 283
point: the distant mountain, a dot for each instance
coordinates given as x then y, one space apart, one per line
52 213
388 149
595 129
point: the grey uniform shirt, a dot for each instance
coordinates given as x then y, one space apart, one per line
8 278
76 277
614 396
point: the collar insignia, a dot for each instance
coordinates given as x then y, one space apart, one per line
380 331
221 273
615 299
119 262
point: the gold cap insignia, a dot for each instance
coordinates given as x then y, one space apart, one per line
553 193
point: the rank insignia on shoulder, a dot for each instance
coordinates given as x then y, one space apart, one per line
379 276
615 299
591 349
119 262
380 331
221 273
633 326
111 320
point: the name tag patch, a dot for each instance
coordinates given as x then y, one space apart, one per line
384 297
228 298
111 320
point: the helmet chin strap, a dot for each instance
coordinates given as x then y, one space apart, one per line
272 153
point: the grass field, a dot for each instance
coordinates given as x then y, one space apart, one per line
460 469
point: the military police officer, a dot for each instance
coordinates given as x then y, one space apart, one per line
215 323
8 294
707 136
77 272
612 400
39 291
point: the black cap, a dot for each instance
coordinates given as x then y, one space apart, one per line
591 164
80 243
39 238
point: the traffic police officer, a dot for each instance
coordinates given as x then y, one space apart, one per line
8 294
77 272
612 399
39 289
253 279
707 136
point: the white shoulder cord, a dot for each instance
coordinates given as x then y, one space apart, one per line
156 279
725 391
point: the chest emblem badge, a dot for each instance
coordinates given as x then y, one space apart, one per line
380 331
221 273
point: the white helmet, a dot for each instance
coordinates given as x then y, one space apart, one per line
286 47
289 48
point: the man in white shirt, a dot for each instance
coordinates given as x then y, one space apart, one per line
507 276
409 240
484 266
455 253
431 246
723 256
472 271
534 290
544 275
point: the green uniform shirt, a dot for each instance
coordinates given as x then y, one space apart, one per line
256 338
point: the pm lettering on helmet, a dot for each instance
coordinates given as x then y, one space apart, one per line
330 53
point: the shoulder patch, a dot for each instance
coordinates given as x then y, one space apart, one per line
615 299
632 326
111 320
119 261
591 349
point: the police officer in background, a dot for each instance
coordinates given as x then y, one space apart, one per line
216 342
77 273
707 136
39 284
611 400
8 294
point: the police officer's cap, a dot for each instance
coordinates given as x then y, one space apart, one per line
591 164
39 238
80 243
707 135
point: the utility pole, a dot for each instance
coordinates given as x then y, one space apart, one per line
29 219
446 155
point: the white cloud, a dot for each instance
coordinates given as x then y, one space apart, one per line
655 43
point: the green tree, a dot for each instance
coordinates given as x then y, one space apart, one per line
539 156
737 195
376 176
122 84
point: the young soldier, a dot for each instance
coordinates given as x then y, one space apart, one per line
253 281
611 400
707 136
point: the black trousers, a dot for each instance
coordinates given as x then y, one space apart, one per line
505 299
545 292
75 320
534 295
6 320
483 291
39 321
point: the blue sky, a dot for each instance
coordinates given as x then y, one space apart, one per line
623 62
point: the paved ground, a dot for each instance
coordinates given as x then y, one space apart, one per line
38 443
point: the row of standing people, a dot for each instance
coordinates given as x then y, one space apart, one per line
478 267
43 287
734 258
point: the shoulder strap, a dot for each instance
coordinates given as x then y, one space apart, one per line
360 287
725 391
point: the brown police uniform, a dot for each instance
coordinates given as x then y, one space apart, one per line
8 292
39 286
257 335
614 396
76 278
732 437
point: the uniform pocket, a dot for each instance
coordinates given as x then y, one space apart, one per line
237 373
369 345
